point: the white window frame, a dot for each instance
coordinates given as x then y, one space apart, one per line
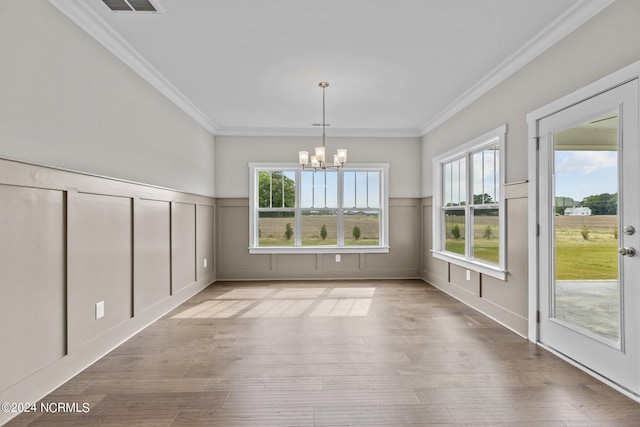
489 139
254 248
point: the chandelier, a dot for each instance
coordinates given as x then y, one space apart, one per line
319 161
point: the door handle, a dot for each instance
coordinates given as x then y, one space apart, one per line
627 251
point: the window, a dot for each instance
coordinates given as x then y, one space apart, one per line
333 211
468 218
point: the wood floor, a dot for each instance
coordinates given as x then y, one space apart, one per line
364 353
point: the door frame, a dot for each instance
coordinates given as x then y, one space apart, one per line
625 75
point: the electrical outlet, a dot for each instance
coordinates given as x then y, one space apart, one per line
205 263
99 309
468 274
337 257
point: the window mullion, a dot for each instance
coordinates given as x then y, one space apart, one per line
297 210
460 183
441 236
367 187
468 222
443 230
496 194
484 191
381 229
470 231
340 225
325 189
355 189
451 183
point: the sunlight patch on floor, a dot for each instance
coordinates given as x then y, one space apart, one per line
195 310
247 293
300 293
292 302
346 307
352 293
214 310
283 308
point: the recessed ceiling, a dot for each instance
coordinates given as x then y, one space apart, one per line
394 67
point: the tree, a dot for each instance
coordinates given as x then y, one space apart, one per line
455 231
563 202
270 189
488 232
602 204
288 231
481 199
323 231
356 232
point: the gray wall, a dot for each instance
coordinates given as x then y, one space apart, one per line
232 179
233 154
68 102
70 240
608 42
235 263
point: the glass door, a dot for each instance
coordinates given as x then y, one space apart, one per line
588 210
586 283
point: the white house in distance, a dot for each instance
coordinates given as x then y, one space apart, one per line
577 211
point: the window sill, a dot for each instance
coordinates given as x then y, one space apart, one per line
321 250
482 268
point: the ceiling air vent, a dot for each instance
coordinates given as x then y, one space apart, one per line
130 5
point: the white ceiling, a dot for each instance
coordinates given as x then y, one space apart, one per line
395 67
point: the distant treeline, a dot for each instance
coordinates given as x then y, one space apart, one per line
600 204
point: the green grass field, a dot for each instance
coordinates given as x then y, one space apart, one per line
272 230
485 244
594 258
483 249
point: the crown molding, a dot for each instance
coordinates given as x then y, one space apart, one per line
80 13
90 21
564 24
333 132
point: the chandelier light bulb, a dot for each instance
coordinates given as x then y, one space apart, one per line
303 157
314 162
342 155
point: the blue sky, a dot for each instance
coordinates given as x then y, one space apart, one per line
585 173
